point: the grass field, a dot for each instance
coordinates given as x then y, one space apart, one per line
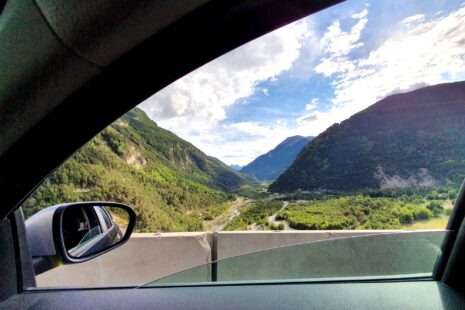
434 223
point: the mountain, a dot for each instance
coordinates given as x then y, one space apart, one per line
168 181
236 167
405 140
270 165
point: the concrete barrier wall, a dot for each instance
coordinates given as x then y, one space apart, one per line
144 258
338 256
147 257
229 244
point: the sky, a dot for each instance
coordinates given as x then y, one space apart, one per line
306 76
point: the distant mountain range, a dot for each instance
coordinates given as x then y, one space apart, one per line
270 165
167 180
411 139
236 167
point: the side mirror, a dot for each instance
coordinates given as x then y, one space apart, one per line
77 232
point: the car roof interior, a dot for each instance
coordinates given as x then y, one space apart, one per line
70 68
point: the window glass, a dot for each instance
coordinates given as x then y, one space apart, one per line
104 215
327 149
79 227
385 256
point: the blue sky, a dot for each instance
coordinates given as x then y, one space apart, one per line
306 76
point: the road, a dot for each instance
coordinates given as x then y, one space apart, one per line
272 219
219 222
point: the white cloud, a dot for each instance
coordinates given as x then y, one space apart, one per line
193 106
312 105
310 53
307 118
413 19
312 116
242 142
360 14
198 100
424 53
337 44
427 53
251 128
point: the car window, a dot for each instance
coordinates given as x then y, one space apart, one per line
80 226
385 256
330 149
104 216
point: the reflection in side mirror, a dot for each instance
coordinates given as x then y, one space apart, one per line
76 232
90 229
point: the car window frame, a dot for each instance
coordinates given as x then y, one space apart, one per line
456 245
103 215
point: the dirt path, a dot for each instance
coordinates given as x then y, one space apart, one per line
272 219
219 222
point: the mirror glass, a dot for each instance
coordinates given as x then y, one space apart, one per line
89 229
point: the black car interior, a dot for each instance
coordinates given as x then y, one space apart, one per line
77 222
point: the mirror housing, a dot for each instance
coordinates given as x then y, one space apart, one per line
77 232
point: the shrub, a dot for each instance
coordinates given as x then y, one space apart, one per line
453 194
422 213
405 216
436 208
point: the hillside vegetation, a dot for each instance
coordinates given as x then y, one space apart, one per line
416 139
255 214
170 183
357 212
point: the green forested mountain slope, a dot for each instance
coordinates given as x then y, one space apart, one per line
167 180
410 139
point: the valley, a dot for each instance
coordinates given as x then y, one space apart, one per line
397 165
230 213
412 209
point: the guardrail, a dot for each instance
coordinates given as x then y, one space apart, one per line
147 257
